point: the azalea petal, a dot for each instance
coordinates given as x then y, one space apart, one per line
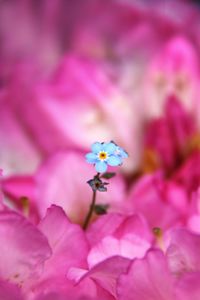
106 225
146 200
109 147
129 246
147 278
101 167
183 252
9 291
117 225
105 273
30 248
51 295
91 158
188 286
96 147
63 237
114 161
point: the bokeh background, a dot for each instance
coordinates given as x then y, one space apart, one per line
47 103
76 72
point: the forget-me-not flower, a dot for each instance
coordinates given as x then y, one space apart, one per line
120 152
104 154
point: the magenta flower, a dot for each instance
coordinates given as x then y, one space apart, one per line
39 265
112 251
159 276
164 204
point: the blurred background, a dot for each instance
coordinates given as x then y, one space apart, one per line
72 72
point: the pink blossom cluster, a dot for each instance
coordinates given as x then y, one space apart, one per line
73 73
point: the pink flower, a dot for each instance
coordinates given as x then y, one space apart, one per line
9 291
194 220
16 146
121 239
188 175
148 278
29 254
163 204
182 252
173 71
41 257
153 276
170 138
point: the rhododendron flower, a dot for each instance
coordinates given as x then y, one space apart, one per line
178 267
41 257
164 204
113 249
174 70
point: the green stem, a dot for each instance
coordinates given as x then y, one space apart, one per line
89 215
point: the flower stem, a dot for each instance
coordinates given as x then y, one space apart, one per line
89 214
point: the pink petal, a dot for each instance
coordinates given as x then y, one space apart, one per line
105 273
50 296
189 173
188 287
24 249
146 279
158 141
153 197
183 251
173 71
193 223
9 291
180 122
118 225
18 153
129 246
17 186
66 240
105 225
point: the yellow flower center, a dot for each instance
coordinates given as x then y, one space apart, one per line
103 155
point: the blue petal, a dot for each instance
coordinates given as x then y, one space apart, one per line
109 147
91 158
101 167
97 147
123 153
114 161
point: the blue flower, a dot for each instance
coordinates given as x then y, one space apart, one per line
102 155
121 152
